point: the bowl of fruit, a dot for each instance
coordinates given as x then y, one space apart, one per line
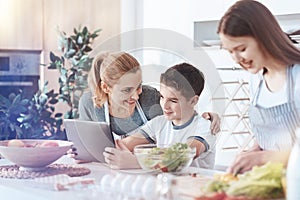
173 158
33 155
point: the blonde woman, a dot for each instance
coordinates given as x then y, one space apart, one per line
118 97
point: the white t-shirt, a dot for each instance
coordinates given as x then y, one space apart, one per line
267 98
163 132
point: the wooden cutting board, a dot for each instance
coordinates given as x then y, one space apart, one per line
189 187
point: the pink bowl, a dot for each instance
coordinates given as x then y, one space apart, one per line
35 157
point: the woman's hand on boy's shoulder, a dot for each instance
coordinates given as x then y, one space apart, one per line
215 121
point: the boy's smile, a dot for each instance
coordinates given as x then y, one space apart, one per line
175 106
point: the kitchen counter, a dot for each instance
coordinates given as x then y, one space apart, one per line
27 189
14 189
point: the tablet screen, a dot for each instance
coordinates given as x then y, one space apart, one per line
90 138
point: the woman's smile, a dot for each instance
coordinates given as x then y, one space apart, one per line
131 102
246 65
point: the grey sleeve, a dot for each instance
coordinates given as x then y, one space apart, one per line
149 100
86 107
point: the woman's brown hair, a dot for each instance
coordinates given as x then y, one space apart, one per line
109 68
251 18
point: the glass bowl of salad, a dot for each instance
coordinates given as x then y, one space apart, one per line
165 159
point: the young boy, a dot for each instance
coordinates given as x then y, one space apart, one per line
180 88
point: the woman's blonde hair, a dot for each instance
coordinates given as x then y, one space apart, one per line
109 67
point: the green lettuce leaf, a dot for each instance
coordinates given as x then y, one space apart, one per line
260 182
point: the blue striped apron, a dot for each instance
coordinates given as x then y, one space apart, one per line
274 127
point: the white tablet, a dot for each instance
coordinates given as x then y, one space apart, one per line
90 138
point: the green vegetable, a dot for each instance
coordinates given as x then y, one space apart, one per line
260 182
215 186
169 159
256 189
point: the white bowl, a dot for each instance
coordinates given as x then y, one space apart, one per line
34 156
211 42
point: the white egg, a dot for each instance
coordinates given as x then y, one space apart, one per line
106 182
136 187
126 185
116 183
148 188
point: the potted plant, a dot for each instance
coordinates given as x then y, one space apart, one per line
73 66
22 117
35 117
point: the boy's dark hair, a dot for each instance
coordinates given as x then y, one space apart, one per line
185 78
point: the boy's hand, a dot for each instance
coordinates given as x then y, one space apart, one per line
120 157
121 145
215 121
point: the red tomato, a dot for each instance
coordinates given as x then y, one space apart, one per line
214 196
236 198
164 169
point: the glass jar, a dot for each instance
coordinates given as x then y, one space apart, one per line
283 181
165 186
293 173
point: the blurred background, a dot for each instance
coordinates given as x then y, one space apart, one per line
159 33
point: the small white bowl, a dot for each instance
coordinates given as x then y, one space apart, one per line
211 42
34 156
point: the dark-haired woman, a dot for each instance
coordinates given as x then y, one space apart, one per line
254 39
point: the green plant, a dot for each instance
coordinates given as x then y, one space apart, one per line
73 67
33 118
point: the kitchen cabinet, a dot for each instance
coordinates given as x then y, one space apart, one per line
21 24
279 7
209 11
206 11
205 31
215 9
